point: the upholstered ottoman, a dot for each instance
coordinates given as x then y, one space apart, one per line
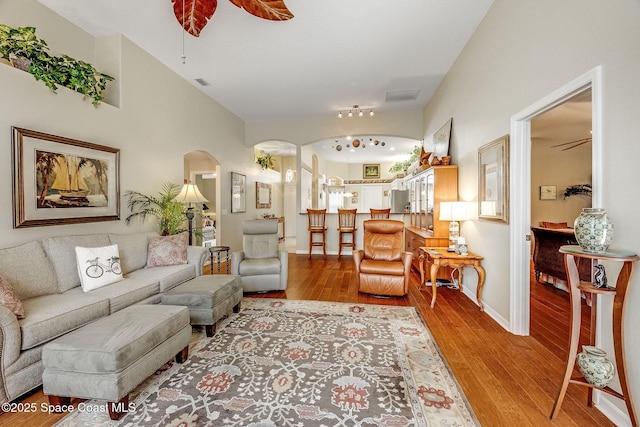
208 298
108 358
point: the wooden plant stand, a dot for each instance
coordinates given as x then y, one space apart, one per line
571 255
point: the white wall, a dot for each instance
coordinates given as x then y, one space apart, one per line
159 118
521 52
561 169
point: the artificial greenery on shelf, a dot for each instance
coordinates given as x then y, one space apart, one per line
578 189
404 165
23 44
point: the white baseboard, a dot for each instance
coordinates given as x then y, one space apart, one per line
487 309
617 416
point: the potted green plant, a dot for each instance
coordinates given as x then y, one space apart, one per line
265 160
169 214
21 46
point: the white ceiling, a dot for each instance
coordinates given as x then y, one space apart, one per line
565 125
331 55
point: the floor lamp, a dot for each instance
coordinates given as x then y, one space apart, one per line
190 194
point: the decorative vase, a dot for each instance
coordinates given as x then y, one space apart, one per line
594 366
594 230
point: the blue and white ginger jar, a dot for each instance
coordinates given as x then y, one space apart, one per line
593 230
594 366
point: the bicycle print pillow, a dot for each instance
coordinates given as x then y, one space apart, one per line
98 267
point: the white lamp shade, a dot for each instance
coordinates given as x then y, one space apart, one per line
190 194
453 211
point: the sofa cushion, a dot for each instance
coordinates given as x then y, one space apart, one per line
123 293
167 250
28 270
62 253
9 299
133 249
98 267
167 276
49 316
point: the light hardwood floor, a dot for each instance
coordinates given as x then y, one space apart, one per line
509 380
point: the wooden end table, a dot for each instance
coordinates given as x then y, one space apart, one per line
439 257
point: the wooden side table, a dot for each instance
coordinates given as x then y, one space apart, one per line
439 257
572 254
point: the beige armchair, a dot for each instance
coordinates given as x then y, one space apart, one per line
261 265
382 266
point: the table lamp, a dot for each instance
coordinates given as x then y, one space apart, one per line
190 194
454 212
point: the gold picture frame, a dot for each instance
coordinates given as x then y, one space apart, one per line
493 181
58 180
263 195
371 171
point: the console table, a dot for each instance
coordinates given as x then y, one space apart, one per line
439 257
572 254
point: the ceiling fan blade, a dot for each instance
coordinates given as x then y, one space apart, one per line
193 15
582 141
577 145
273 10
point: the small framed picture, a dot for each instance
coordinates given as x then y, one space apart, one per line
371 171
547 192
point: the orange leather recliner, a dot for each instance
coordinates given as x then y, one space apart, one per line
383 267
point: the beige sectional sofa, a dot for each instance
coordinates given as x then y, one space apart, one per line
44 276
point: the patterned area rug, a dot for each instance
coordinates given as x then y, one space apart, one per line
301 363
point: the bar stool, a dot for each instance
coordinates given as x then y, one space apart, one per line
317 225
346 225
380 213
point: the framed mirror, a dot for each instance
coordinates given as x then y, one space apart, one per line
263 195
493 180
238 192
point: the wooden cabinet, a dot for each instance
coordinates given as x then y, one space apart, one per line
546 256
426 190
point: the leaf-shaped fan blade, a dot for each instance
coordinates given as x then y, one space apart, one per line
273 10
193 15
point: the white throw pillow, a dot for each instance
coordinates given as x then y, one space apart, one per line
98 267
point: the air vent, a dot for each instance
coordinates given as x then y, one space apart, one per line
403 95
202 82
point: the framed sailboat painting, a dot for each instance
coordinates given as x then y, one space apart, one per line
58 180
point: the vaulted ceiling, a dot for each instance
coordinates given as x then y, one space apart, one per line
388 55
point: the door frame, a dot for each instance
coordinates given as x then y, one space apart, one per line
520 184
